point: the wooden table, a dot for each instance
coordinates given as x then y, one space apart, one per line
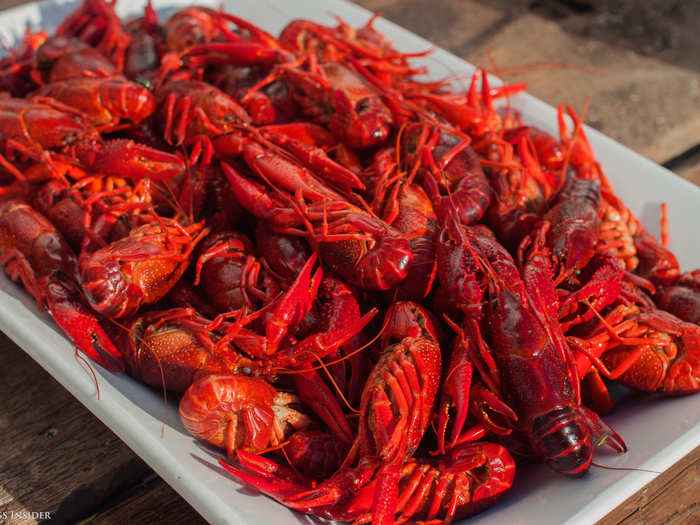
635 59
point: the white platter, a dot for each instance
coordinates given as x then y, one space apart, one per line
658 431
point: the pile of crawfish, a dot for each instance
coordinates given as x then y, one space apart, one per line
372 291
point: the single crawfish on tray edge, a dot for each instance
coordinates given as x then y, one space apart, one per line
222 214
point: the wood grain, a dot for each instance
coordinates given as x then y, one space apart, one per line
153 502
56 456
672 497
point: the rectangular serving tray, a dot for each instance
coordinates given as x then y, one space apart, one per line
658 431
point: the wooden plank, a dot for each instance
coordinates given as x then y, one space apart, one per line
451 24
54 455
673 497
155 502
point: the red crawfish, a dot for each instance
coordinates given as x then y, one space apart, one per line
61 58
467 409
56 139
96 23
359 247
645 348
395 411
94 210
197 37
520 188
338 307
314 453
140 268
17 66
189 109
547 151
236 412
343 42
333 95
143 54
574 226
469 258
472 112
270 105
231 276
451 173
469 479
462 276
33 251
407 208
170 349
103 101
289 162
537 384
175 347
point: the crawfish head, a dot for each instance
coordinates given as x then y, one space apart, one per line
139 269
358 117
166 349
377 263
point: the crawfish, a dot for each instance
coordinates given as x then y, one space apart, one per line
230 275
189 109
177 346
57 139
314 453
237 412
343 43
452 175
407 208
520 188
143 54
359 247
104 102
574 220
93 209
33 251
395 410
96 23
472 112
16 68
537 385
171 349
336 96
645 348
140 268
683 298
471 478
62 58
